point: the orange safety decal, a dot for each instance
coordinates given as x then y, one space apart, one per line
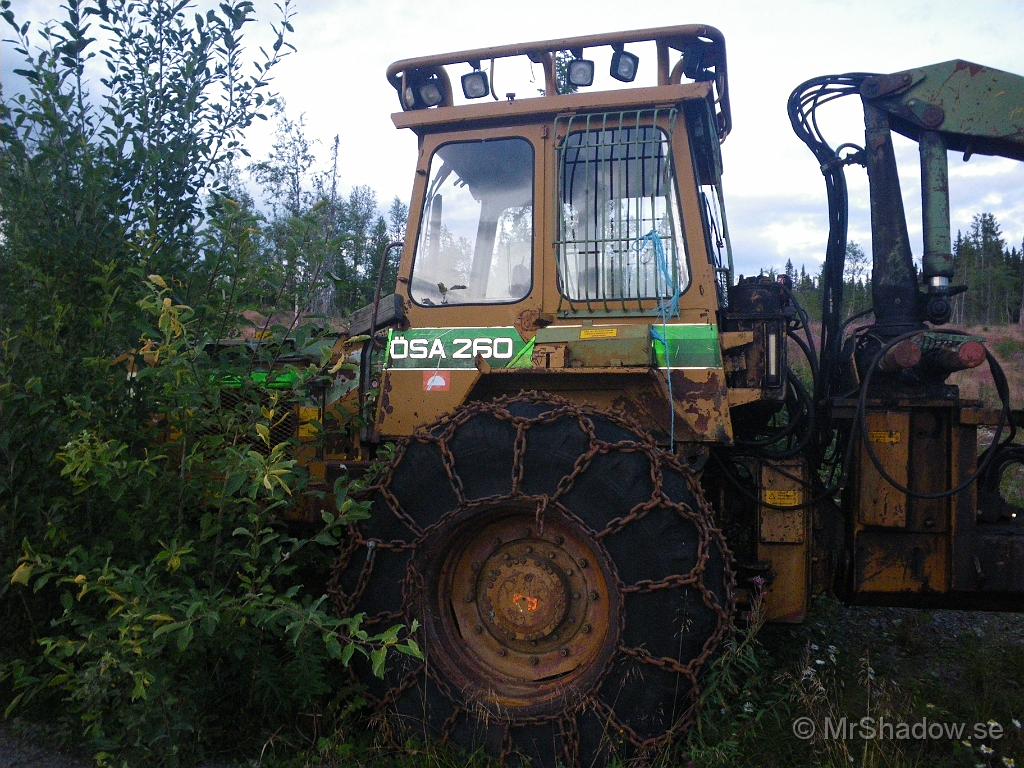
437 381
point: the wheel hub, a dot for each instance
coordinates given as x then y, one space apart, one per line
524 596
523 611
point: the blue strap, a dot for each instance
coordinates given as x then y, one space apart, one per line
667 309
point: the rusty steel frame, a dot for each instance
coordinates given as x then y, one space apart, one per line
667 39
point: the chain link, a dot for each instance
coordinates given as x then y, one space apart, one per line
566 720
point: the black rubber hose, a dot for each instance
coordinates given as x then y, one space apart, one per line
998 376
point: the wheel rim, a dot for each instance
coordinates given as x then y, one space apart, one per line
524 613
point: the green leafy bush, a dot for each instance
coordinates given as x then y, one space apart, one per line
155 603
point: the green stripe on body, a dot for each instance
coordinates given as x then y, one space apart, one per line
689 346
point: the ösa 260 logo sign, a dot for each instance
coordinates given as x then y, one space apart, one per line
453 348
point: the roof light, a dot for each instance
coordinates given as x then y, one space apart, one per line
475 85
697 61
580 71
425 88
408 98
624 65
430 93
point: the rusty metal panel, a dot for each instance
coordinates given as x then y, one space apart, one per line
881 503
610 346
784 540
641 393
550 356
736 339
410 399
701 401
610 353
963 534
891 562
786 600
781 486
930 443
744 395
309 423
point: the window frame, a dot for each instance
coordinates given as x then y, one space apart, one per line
641 305
424 216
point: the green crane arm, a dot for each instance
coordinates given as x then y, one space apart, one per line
954 105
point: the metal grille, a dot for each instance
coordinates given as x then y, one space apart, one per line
239 413
617 196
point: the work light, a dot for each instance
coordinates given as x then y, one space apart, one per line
581 72
474 85
430 93
424 88
624 66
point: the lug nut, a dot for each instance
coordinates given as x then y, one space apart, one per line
559 540
502 652
583 563
587 629
551 555
594 596
478 629
564 652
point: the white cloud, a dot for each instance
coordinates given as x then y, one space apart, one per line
773 186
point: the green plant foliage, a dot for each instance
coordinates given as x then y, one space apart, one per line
153 602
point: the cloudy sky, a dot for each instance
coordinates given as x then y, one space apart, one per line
774 191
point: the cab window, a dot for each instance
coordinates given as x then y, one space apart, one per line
620 235
475 244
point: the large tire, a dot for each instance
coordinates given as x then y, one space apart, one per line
567 574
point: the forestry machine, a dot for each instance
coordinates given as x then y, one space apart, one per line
606 447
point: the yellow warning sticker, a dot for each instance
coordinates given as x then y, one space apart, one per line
891 437
782 497
598 333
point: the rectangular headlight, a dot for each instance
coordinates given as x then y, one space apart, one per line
474 85
624 66
581 72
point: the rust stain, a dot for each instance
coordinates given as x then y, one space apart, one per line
532 603
971 68
699 399
385 395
